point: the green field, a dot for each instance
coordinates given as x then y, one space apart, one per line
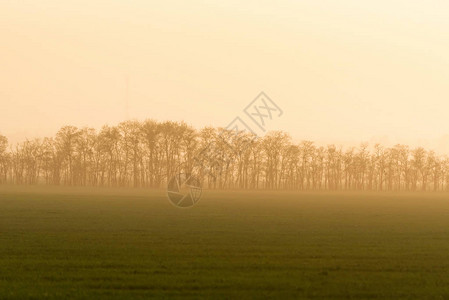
103 243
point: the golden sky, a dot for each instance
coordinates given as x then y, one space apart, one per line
343 71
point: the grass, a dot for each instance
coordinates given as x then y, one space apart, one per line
114 244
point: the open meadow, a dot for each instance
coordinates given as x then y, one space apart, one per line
121 243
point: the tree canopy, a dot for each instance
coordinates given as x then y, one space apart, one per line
146 154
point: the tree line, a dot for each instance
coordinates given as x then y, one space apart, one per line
147 154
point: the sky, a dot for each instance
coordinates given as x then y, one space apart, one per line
342 71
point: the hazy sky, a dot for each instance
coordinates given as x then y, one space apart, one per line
342 71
